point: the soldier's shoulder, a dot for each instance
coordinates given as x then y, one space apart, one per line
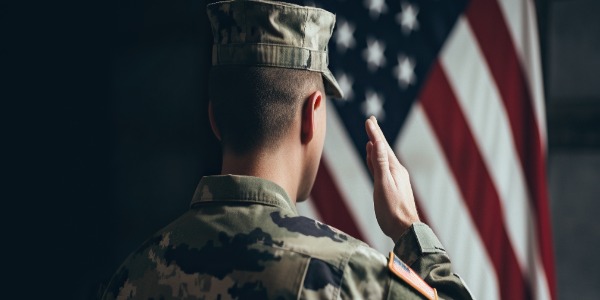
325 242
311 234
310 228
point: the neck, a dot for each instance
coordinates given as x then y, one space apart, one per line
280 166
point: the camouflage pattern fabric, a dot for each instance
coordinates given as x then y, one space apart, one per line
273 34
243 239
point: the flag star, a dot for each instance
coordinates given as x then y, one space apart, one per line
345 81
373 105
405 71
375 7
344 36
407 18
374 54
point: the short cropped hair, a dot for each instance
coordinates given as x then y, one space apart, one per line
255 107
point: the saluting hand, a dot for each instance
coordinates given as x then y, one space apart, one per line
392 193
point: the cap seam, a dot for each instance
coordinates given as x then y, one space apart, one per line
269 44
271 65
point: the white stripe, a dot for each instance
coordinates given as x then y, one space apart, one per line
484 111
307 208
520 17
439 197
353 181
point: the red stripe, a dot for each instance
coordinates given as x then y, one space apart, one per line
474 181
496 43
330 204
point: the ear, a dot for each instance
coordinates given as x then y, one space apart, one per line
308 116
213 124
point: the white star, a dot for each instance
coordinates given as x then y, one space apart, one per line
405 71
407 18
373 105
344 38
345 81
374 54
376 7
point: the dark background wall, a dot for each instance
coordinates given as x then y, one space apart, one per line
571 31
106 135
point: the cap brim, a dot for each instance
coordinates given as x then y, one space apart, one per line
332 88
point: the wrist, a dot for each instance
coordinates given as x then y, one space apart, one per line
402 228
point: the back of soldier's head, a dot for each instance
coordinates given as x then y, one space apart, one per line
254 107
267 58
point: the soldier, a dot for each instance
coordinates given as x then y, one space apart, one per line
242 237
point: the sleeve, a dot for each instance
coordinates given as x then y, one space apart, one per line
420 248
368 277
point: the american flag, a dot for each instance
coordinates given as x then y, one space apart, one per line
457 88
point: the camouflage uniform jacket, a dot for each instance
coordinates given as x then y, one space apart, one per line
243 239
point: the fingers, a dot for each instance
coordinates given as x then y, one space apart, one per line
376 134
377 153
380 155
373 131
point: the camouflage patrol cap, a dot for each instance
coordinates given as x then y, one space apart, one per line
273 34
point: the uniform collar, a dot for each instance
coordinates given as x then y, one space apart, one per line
236 188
